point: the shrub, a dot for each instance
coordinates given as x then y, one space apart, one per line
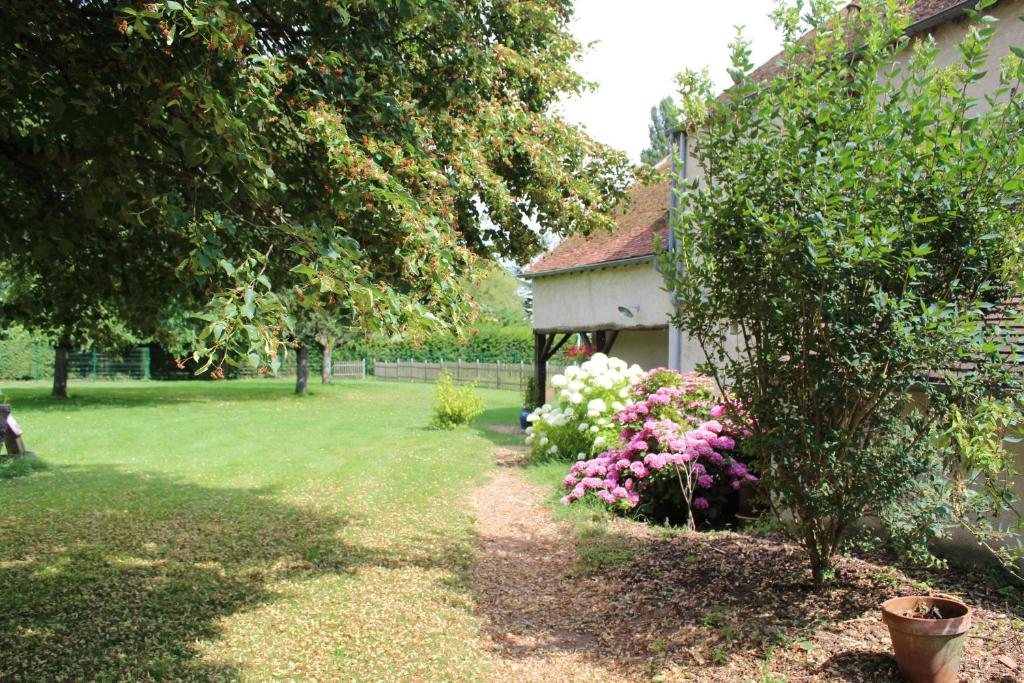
673 432
530 394
488 344
455 406
579 421
854 226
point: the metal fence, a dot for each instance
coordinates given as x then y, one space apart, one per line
493 375
133 364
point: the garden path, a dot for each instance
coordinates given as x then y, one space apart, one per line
539 624
680 609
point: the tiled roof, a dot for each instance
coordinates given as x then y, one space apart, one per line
637 226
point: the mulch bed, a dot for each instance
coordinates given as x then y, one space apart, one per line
704 607
732 607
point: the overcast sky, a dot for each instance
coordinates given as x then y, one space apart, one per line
642 44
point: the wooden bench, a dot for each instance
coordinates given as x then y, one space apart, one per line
10 433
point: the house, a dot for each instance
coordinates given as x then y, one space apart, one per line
606 286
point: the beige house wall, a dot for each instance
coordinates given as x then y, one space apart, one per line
1009 33
646 348
595 299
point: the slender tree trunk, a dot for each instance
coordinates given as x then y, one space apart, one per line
301 369
326 348
60 368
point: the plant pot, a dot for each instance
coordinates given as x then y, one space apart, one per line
927 650
523 422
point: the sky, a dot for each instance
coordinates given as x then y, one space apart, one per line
643 44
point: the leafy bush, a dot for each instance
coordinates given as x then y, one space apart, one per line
853 227
487 344
579 421
455 406
673 435
530 394
25 356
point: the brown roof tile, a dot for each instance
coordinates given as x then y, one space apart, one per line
637 226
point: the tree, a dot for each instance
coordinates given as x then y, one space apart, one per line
858 229
320 323
496 293
235 145
664 119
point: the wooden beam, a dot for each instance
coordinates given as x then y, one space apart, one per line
609 341
540 366
552 351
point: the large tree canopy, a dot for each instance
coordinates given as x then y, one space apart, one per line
211 149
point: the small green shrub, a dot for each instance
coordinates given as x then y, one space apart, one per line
530 394
455 406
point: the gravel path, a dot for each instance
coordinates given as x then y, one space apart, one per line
538 627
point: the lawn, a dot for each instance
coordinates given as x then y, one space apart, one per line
232 530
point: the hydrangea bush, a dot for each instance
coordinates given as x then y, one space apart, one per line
578 423
672 432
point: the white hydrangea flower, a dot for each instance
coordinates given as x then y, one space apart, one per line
559 381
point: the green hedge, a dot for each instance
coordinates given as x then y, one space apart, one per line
489 345
25 358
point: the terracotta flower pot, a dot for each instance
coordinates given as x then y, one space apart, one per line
927 650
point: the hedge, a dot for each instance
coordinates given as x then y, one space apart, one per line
489 345
25 358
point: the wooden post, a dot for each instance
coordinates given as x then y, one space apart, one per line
540 366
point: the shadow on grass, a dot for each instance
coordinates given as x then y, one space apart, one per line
500 426
143 395
118 575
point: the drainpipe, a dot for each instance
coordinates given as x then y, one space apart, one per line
675 336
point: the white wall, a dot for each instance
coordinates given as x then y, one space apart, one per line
590 299
646 348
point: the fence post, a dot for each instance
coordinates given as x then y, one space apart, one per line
38 359
521 373
497 376
94 364
145 362
364 368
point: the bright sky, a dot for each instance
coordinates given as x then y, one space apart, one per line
643 44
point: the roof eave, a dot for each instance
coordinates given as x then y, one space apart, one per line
590 266
942 17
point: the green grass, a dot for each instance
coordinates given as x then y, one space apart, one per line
598 545
221 531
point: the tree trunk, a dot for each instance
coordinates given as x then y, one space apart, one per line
60 369
301 369
325 365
